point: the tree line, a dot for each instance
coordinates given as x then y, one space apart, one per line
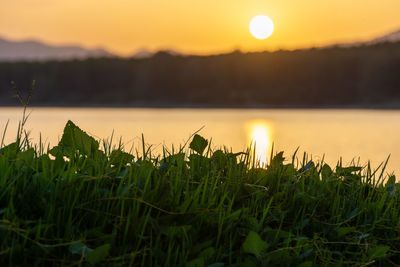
364 76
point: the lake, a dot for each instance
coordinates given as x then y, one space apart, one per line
348 134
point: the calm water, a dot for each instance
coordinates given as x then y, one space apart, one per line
360 134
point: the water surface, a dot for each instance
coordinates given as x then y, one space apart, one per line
351 134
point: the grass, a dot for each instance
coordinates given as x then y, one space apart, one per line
89 203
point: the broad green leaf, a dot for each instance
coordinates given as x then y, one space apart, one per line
306 264
278 159
25 158
248 263
219 157
283 257
303 223
79 248
391 180
253 224
98 254
326 171
198 262
378 252
272 233
217 264
173 160
197 159
198 144
353 213
347 170
363 236
307 253
120 157
74 139
201 246
27 155
208 253
342 231
253 244
234 215
10 150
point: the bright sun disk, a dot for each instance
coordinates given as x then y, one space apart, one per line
261 27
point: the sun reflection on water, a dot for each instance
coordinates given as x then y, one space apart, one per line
260 139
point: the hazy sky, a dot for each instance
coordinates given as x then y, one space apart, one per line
195 26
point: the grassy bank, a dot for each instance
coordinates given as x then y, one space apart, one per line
89 203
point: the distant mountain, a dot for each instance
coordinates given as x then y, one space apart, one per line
387 38
37 51
392 37
145 53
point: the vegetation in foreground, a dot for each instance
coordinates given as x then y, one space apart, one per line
85 203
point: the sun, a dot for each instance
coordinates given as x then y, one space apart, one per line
261 27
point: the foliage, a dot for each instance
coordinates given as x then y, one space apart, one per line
83 203
365 76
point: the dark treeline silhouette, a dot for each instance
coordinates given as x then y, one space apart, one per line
365 76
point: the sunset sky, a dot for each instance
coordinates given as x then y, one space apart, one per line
199 26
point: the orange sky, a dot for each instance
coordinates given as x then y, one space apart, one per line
195 26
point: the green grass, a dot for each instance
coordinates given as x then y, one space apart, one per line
89 203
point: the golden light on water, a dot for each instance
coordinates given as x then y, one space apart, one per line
260 138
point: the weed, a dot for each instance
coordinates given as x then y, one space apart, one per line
83 203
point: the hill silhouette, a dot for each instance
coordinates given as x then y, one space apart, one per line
39 51
31 50
391 37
